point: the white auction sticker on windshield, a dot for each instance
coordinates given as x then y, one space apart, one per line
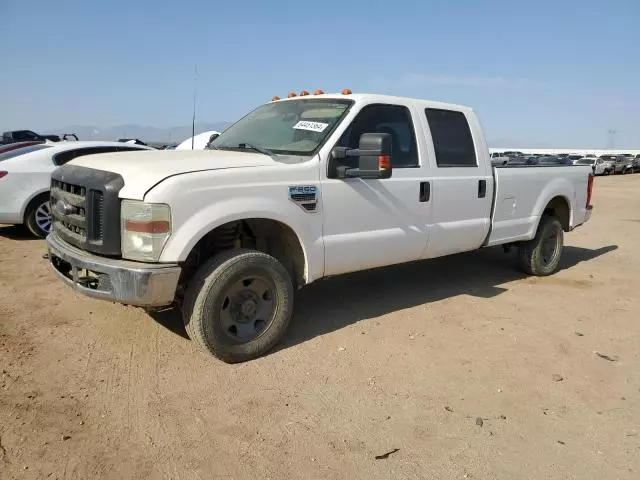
311 126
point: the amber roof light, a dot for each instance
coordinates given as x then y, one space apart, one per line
346 91
304 93
275 98
318 92
291 94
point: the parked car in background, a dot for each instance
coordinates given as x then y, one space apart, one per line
199 142
636 164
609 162
25 136
623 164
135 141
574 158
25 179
599 167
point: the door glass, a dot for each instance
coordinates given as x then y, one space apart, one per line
392 119
452 139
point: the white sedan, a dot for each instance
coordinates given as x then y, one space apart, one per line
25 179
200 141
598 165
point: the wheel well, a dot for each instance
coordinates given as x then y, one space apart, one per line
559 208
262 234
37 198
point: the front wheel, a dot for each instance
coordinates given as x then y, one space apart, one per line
238 305
541 256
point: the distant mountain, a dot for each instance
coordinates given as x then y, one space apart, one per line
144 133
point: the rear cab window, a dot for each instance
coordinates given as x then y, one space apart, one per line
452 140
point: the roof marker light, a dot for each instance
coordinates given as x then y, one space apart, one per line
275 98
318 92
304 93
291 94
346 91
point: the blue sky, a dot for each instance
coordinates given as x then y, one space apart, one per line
556 73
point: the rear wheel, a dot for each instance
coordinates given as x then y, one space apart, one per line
38 216
238 305
541 256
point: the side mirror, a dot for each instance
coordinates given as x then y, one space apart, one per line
374 157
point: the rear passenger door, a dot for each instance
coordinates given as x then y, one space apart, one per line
462 183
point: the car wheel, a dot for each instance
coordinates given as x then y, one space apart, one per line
541 256
238 305
38 217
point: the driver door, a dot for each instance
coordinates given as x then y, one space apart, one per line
370 223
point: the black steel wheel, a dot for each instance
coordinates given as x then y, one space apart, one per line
238 305
541 256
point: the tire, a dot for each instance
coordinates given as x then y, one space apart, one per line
38 216
541 256
223 303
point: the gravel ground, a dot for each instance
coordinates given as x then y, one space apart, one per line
461 367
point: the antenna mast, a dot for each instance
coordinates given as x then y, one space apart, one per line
193 119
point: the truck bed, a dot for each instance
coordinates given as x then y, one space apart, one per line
523 191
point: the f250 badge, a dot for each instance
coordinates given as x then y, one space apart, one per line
304 195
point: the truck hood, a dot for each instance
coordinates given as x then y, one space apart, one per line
144 169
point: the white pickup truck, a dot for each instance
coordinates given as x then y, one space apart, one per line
299 189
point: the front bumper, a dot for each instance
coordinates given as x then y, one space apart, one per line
123 281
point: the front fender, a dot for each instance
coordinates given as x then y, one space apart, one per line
307 227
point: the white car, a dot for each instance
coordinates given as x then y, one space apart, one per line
25 179
599 166
200 141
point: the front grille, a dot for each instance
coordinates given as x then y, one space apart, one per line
86 208
69 208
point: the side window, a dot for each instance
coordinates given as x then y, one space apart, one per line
392 119
452 139
64 157
130 149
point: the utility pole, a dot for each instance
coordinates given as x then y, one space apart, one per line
611 142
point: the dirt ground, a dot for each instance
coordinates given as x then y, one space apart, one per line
461 366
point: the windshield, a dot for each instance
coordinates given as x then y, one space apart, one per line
587 161
294 127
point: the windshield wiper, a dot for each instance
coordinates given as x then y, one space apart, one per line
248 146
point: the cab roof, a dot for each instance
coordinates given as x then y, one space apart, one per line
377 98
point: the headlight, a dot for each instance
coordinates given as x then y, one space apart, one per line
145 228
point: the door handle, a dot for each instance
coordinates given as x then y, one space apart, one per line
425 191
482 188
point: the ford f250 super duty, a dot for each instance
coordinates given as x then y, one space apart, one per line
299 189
